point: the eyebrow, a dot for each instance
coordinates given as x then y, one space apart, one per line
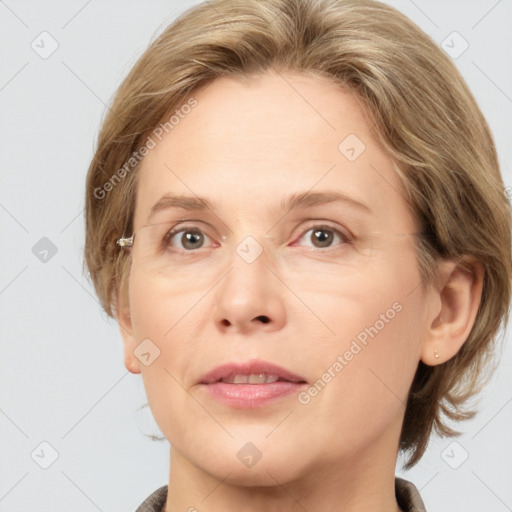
308 199
292 202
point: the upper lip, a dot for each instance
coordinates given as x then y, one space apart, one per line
253 367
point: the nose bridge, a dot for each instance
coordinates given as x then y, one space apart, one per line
250 276
248 296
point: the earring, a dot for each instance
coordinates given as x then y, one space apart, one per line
436 354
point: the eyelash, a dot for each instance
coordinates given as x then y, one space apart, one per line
345 238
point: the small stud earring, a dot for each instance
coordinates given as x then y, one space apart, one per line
436 355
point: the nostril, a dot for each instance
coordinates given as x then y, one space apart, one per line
265 319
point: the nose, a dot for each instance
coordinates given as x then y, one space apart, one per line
250 297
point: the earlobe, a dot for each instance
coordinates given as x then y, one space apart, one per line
459 294
124 320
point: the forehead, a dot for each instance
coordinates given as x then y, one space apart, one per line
246 144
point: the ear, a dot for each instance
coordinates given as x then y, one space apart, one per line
124 320
456 301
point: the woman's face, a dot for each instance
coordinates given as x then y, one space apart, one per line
276 269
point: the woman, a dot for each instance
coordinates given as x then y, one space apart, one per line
295 213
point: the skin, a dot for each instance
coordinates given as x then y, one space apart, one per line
246 147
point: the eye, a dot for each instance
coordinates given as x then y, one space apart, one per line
190 237
323 237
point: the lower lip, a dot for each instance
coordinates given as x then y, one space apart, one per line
248 396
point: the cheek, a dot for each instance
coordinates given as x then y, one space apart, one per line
163 308
367 361
155 312
361 388
367 302
175 317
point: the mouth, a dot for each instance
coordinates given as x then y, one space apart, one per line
252 372
252 384
256 378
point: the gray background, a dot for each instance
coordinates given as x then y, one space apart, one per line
62 379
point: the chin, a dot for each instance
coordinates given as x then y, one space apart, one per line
247 466
260 475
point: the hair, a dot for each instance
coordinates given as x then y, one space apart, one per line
423 113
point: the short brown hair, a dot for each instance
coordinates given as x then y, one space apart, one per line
424 114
